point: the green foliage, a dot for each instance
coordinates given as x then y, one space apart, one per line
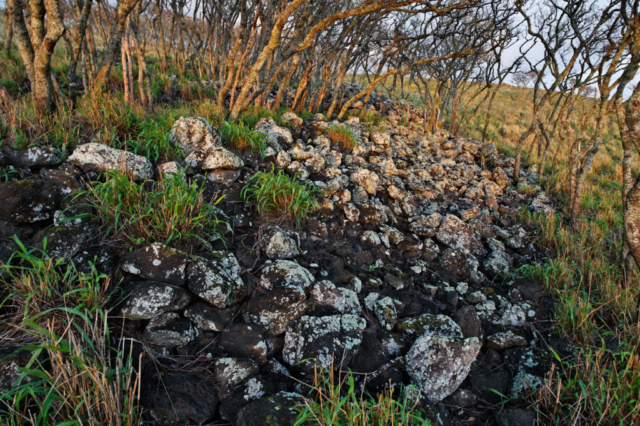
37 282
279 195
73 376
170 211
241 138
342 135
334 401
253 115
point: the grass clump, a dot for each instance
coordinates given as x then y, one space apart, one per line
279 195
170 211
253 115
67 372
74 378
40 283
343 136
241 138
334 401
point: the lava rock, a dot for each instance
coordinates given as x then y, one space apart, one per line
273 311
231 372
505 340
275 410
330 341
516 417
243 340
285 273
96 157
366 179
178 398
455 233
206 317
147 300
169 330
276 243
216 280
157 262
214 159
438 364
194 134
28 201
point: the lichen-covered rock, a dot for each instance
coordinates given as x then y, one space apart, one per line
216 280
429 323
232 372
285 273
275 135
291 119
168 169
34 157
496 265
147 300
243 340
206 317
455 262
178 398
342 300
323 339
28 201
96 157
455 233
214 159
505 340
426 226
385 310
169 330
528 366
157 262
366 179
277 243
194 134
63 241
273 311
276 410
438 364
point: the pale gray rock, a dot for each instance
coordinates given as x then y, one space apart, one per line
147 300
217 280
439 364
366 179
96 157
277 243
194 134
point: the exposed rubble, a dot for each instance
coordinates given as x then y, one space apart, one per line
404 274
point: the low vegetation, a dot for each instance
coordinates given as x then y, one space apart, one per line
343 136
69 372
333 400
276 194
170 211
241 138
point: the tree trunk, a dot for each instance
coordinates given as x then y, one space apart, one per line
113 45
36 48
7 41
632 198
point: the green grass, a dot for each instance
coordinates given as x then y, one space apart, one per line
70 374
343 136
279 195
253 115
334 401
68 371
242 139
170 211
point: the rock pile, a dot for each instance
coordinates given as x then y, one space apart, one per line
403 273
